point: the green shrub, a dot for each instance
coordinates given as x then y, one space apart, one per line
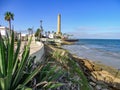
74 74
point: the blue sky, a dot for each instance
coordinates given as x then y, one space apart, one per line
82 18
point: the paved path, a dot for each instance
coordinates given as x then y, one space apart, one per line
35 46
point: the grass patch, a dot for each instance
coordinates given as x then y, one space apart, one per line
73 75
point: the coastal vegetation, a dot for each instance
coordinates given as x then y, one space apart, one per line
73 76
38 34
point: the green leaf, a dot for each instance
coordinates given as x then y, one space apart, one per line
16 56
29 78
21 87
21 67
10 59
10 55
23 61
2 58
53 86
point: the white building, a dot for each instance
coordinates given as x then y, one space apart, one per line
4 31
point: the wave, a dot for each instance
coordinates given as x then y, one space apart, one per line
95 53
85 47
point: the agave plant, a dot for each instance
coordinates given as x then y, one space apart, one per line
11 67
18 73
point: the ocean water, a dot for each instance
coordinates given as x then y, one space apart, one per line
106 51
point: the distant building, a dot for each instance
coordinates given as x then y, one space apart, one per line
4 31
24 37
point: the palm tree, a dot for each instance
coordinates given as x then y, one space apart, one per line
8 17
37 34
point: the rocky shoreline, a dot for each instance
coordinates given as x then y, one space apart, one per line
98 78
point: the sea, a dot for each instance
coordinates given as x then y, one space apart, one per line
105 51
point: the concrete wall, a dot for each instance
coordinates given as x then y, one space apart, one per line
38 52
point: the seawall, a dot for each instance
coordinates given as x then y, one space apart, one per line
37 49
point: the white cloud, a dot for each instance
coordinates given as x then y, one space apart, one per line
83 28
106 35
87 28
97 32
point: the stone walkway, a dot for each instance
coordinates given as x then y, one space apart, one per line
35 46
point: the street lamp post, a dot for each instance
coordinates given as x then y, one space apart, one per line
41 29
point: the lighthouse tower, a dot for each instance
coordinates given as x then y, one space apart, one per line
59 24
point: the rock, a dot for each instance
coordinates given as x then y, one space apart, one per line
100 82
92 83
98 75
92 78
117 85
89 65
98 87
86 73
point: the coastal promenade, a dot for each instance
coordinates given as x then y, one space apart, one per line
36 49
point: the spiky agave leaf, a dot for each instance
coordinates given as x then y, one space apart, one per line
11 71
